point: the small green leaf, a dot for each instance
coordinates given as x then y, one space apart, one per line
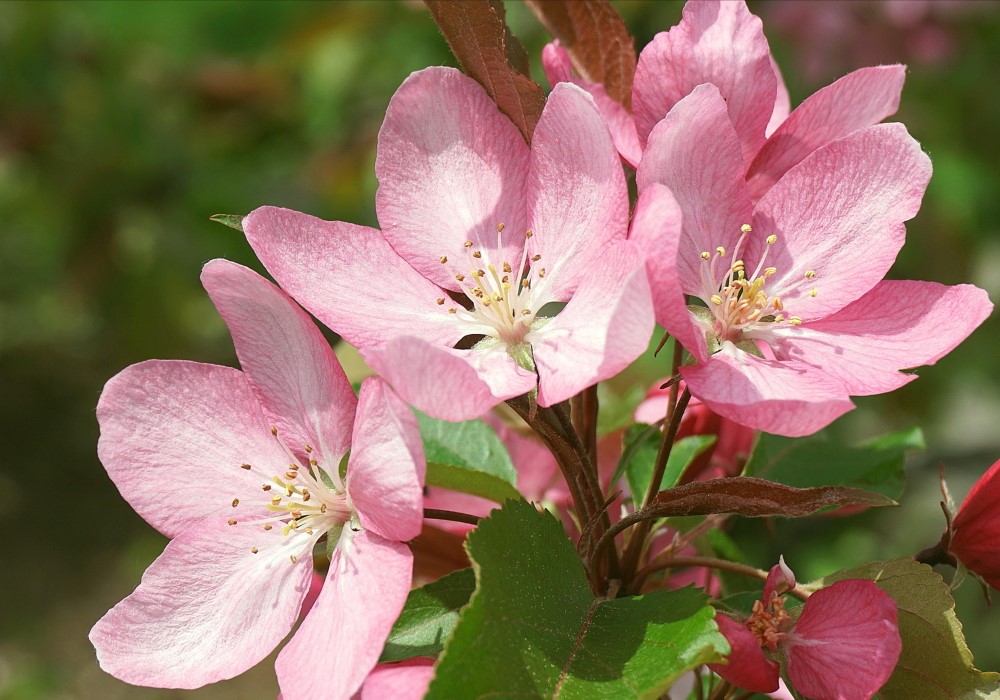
935 663
876 465
233 221
467 457
534 629
639 470
429 617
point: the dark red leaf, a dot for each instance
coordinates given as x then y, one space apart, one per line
488 52
598 42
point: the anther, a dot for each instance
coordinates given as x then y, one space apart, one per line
794 320
291 475
481 273
529 233
745 228
266 487
322 508
478 254
526 312
444 259
500 227
705 255
294 559
274 431
245 466
459 277
536 258
236 502
768 271
268 527
231 521
812 292
440 301
506 267
716 299
810 274
468 244
720 250
776 303
254 550
308 449
541 273
276 499
771 240
453 310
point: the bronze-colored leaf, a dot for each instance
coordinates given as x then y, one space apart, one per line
489 53
598 42
749 496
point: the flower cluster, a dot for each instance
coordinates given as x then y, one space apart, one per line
508 271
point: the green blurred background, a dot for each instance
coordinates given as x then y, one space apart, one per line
125 125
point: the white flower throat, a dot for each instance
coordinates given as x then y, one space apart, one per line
307 501
743 307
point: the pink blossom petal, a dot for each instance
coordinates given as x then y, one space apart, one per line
784 398
718 42
657 229
407 680
577 197
845 643
748 668
839 213
603 328
385 474
349 278
857 100
173 437
207 609
295 374
695 153
341 639
538 476
782 102
451 167
450 384
556 63
780 580
976 539
897 325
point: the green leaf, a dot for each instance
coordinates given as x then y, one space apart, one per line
429 617
639 470
467 457
876 465
616 411
935 663
534 629
233 221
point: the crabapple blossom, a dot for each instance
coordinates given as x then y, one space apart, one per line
480 234
975 538
245 472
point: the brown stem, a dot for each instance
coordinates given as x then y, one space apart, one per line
713 563
455 516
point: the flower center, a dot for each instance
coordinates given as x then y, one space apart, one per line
305 502
743 306
503 299
766 621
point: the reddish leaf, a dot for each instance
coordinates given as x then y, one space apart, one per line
597 40
749 496
488 52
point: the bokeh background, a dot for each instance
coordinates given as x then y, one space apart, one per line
125 125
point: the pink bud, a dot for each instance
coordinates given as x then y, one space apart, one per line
976 528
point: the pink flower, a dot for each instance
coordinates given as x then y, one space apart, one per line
479 234
975 538
843 646
722 43
793 315
406 680
243 471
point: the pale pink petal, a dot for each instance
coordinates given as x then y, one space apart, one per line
407 680
748 668
695 153
718 42
450 384
845 643
839 213
657 229
385 474
603 328
451 167
173 437
556 63
207 609
782 102
349 278
897 325
295 375
341 639
577 197
538 476
857 100
784 398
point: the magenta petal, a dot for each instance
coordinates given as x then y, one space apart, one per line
897 325
173 437
784 398
295 374
656 228
603 328
976 538
845 643
577 197
451 167
748 668
349 278
857 100
207 609
341 639
718 42
450 384
695 153
385 474
407 680
839 213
